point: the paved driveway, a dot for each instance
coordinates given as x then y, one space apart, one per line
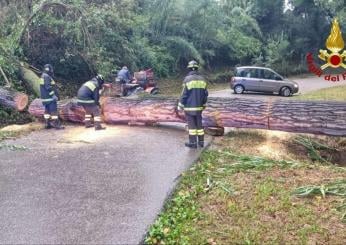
306 85
79 186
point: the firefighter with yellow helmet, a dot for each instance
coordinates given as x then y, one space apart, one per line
88 97
193 101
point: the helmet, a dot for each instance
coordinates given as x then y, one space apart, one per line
48 68
193 65
125 68
100 79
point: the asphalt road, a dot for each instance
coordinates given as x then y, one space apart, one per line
79 186
306 85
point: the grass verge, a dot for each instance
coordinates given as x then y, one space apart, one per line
335 93
233 197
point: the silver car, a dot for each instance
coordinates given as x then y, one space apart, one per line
261 79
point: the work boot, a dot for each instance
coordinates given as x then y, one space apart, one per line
192 142
98 126
48 125
191 145
57 124
201 141
88 124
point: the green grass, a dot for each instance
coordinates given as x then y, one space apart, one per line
8 135
4 135
230 198
335 93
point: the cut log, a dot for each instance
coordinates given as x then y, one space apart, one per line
13 99
32 81
315 117
68 110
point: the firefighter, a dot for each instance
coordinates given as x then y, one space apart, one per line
193 101
88 97
49 97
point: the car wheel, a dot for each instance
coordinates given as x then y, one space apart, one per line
285 91
238 89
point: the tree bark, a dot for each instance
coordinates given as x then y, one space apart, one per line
31 80
315 117
13 99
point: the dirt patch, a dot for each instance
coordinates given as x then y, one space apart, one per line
319 148
22 128
340 158
284 146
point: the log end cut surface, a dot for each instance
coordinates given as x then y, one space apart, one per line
21 101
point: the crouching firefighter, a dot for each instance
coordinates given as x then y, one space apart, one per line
88 97
49 97
193 101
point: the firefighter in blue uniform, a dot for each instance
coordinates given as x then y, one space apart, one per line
88 97
49 97
193 101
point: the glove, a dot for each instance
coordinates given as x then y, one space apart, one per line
55 98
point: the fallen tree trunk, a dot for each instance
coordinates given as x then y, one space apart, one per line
31 79
286 115
13 99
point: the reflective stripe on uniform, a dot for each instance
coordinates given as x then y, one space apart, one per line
193 132
193 108
54 117
97 119
47 100
196 84
46 116
200 132
87 117
52 82
181 105
51 93
90 85
86 101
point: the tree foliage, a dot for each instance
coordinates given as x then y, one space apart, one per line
81 37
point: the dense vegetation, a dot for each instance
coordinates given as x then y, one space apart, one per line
81 37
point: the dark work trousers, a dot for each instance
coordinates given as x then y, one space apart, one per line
194 121
92 111
51 111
